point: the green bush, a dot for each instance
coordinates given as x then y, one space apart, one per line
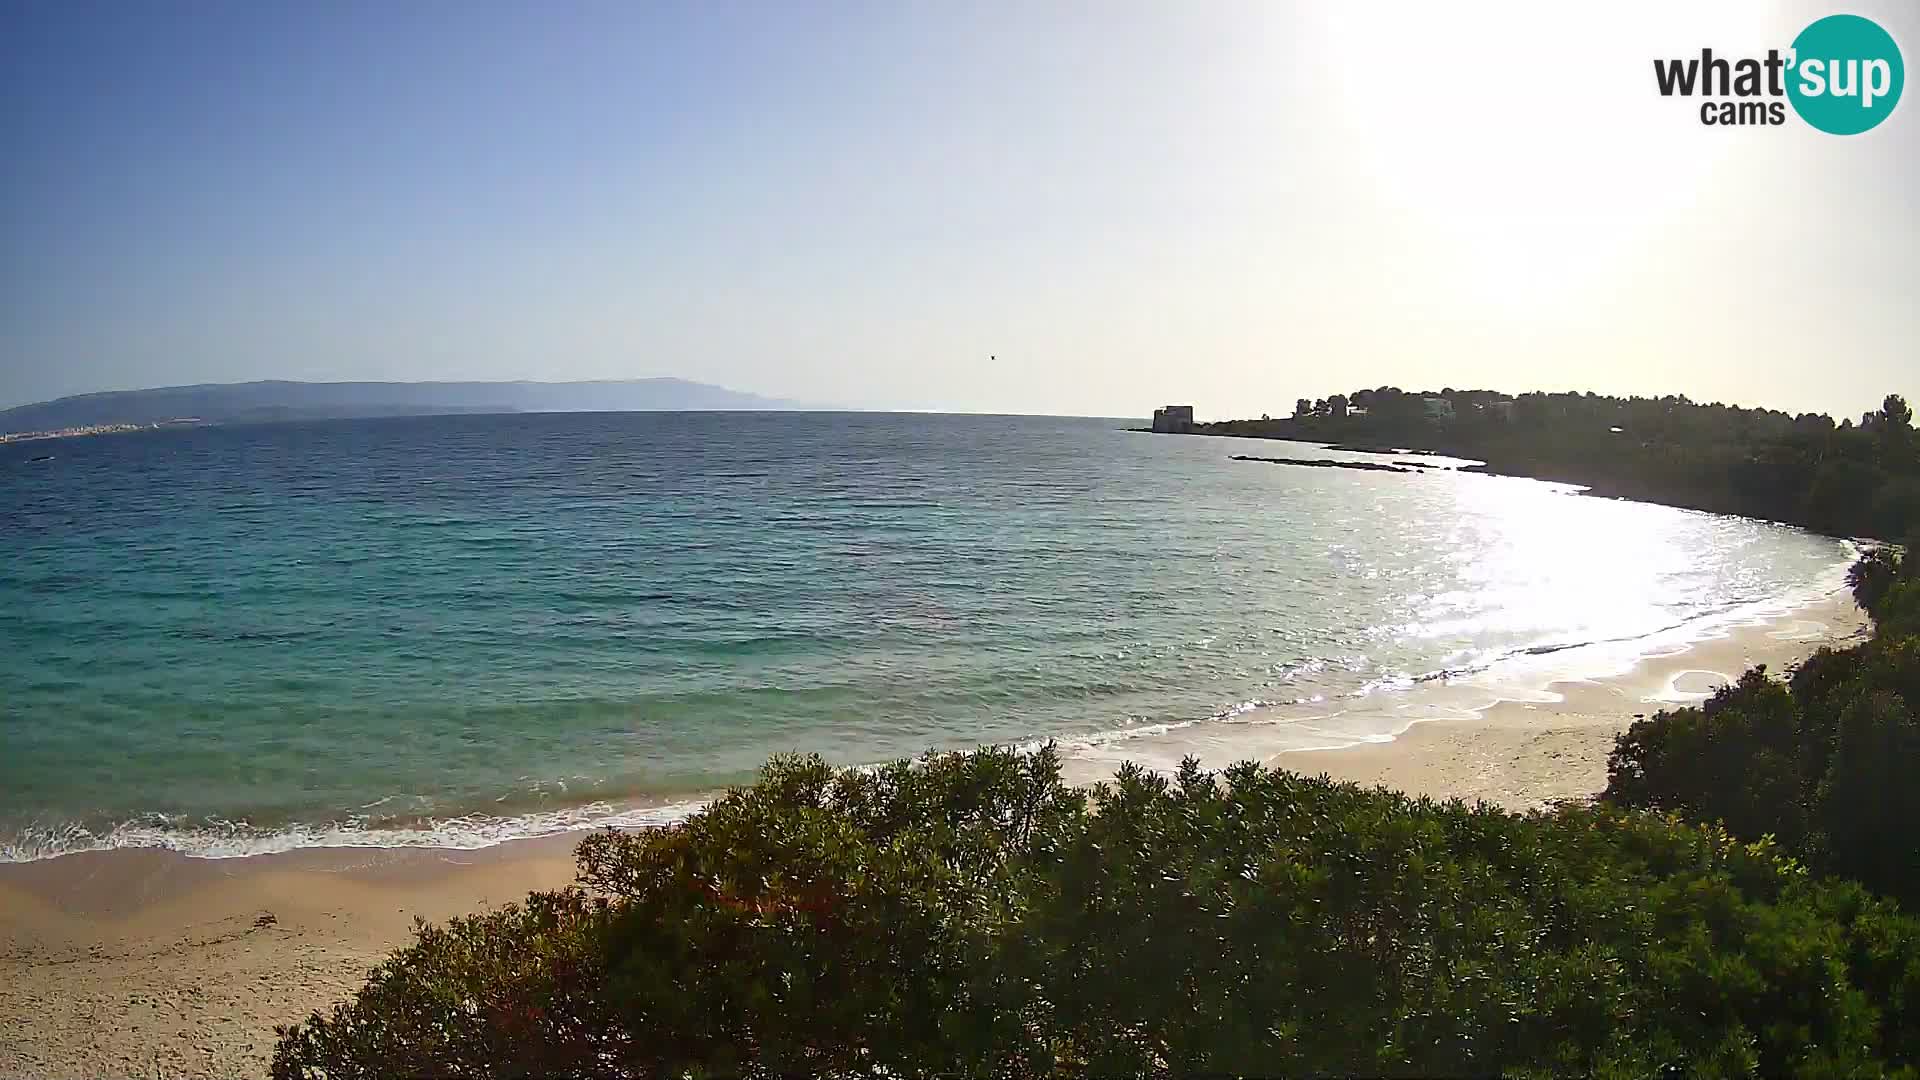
1824 763
1736 760
1869 804
1873 576
971 914
1900 610
517 992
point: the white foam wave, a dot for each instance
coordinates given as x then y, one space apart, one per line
1386 707
221 839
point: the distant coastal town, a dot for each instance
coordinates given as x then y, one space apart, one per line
89 429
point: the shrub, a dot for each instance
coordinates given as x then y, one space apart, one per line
517 992
1869 805
1872 576
971 914
1823 763
1900 610
1736 760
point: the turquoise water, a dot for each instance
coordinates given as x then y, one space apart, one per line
463 628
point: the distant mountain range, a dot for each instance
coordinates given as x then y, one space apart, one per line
255 402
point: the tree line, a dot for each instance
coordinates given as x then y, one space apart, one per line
1844 479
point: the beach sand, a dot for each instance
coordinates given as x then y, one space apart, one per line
147 963
1525 755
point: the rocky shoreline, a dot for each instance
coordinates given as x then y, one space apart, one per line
1327 463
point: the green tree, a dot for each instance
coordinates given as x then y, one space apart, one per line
1897 417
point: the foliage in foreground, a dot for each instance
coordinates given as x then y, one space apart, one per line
1826 762
971 914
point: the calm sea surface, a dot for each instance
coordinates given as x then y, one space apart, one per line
465 628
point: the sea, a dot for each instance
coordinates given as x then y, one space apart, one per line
457 630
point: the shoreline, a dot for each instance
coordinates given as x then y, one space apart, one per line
151 962
1375 715
1526 754
1595 487
1599 688
145 961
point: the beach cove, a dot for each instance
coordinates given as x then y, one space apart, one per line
143 962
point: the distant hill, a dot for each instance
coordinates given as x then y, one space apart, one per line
279 400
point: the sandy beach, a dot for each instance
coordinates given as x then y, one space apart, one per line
1524 755
151 964
148 963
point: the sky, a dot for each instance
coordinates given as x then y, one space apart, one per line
1088 208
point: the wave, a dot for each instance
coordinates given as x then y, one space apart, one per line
221 839
1703 625
215 838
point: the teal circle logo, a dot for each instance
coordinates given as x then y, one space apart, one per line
1846 74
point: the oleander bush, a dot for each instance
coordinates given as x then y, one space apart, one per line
973 915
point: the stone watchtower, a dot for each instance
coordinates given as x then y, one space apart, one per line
1173 419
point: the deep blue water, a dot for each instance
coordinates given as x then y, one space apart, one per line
229 639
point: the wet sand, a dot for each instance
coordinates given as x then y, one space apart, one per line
1527 754
149 963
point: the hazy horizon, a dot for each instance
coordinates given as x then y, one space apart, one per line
1067 210
791 404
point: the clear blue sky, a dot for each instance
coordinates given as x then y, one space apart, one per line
1125 204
